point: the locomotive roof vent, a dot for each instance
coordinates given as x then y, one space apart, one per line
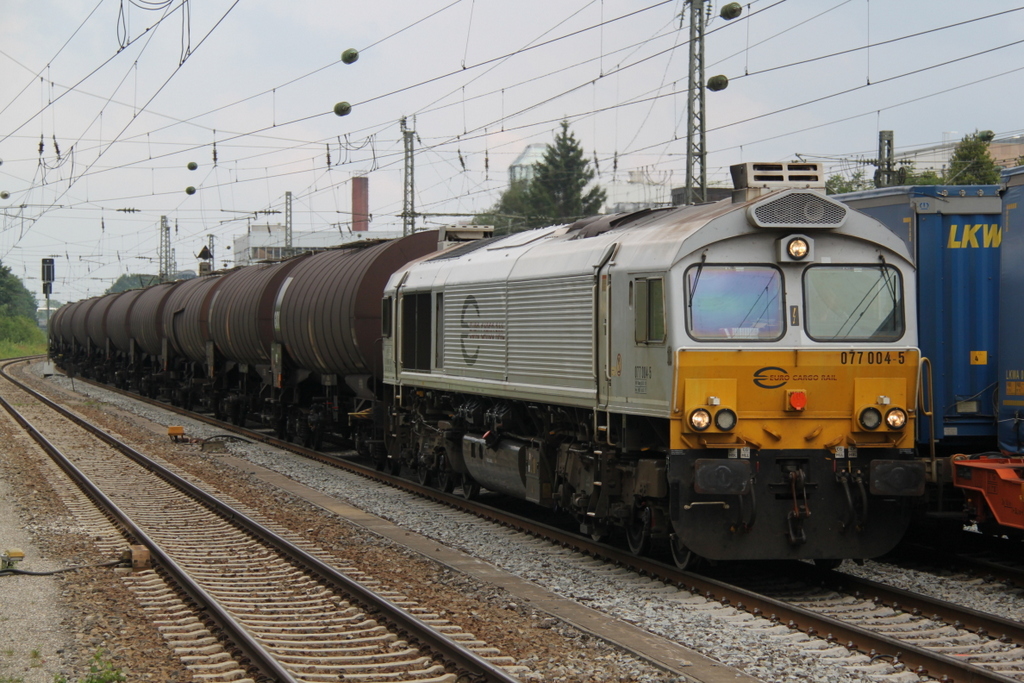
754 179
797 209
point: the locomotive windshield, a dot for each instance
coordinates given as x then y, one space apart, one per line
734 302
853 303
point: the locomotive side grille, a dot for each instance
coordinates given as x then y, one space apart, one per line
798 210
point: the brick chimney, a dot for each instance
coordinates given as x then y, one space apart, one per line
360 204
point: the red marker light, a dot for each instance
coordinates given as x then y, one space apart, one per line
797 400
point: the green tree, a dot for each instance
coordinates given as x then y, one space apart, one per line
557 192
927 177
132 281
972 163
838 183
15 300
511 213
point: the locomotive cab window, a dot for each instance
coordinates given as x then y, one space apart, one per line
734 302
649 310
853 303
416 331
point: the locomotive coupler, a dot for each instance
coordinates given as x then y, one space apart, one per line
801 510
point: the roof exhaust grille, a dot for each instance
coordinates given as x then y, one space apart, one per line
797 209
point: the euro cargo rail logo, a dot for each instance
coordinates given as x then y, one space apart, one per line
771 377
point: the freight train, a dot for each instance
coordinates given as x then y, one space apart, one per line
965 241
735 380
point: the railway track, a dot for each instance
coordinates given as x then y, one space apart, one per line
993 559
950 643
247 602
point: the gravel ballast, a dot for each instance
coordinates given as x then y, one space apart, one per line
720 632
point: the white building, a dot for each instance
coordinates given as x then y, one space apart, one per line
267 242
638 189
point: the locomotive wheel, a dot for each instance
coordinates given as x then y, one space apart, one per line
470 489
827 564
445 476
380 456
638 531
422 472
599 532
684 558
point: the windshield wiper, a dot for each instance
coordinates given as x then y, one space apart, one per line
696 279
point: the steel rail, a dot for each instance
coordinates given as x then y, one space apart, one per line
920 660
406 624
982 623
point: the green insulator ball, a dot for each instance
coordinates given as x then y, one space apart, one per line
350 55
716 83
190 190
342 108
5 195
192 165
731 11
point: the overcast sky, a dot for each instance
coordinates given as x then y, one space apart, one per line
131 91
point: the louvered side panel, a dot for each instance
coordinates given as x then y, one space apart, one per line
551 332
475 340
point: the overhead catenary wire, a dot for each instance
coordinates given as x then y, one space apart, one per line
437 147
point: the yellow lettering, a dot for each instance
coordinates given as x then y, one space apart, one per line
993 235
953 244
970 236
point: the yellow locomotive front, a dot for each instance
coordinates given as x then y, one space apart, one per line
794 395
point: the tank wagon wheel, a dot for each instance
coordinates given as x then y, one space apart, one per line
638 530
395 463
684 558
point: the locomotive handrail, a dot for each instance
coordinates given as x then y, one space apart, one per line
927 409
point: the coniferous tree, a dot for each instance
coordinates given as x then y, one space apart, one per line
555 194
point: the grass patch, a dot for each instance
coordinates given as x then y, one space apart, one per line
20 337
100 671
9 349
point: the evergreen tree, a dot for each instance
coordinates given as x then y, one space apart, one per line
555 193
15 300
971 163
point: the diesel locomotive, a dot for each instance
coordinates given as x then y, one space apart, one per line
736 380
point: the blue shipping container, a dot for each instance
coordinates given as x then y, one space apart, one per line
954 233
1011 331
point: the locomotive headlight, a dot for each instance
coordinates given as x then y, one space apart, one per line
725 419
797 248
700 419
870 418
896 418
